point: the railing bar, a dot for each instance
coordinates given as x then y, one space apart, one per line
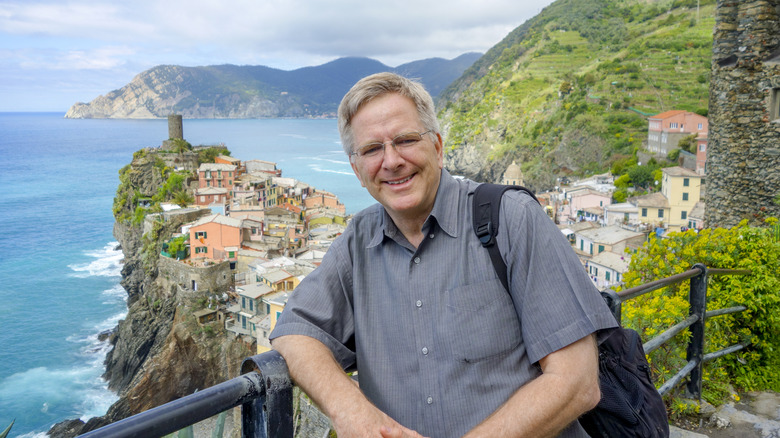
725 311
185 411
721 271
714 355
669 333
636 291
671 383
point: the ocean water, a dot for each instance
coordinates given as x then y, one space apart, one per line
59 269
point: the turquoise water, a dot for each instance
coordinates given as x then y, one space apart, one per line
59 271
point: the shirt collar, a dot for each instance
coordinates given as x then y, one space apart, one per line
444 211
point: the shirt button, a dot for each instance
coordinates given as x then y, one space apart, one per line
431 235
429 400
418 303
417 260
425 350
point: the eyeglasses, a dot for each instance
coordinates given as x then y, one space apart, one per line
402 142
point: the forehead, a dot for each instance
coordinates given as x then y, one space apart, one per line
385 117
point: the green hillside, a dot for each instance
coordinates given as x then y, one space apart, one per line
570 90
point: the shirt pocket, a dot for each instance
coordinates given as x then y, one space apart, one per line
481 321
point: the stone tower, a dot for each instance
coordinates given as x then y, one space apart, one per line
175 128
743 160
513 175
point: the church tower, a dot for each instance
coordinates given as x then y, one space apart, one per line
513 175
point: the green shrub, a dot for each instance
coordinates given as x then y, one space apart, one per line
742 247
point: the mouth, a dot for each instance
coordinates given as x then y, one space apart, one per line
399 181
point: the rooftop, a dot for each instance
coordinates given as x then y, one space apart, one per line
610 235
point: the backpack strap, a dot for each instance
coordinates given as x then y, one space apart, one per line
485 208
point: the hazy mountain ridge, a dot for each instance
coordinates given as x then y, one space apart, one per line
569 91
231 91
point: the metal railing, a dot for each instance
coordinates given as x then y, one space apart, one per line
265 392
697 316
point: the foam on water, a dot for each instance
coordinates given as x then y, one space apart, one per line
107 263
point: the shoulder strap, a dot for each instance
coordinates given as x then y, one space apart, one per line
485 208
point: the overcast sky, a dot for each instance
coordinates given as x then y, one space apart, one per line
54 53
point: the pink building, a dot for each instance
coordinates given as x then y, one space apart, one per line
218 175
584 202
665 130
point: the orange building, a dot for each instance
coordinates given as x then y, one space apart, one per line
216 237
665 130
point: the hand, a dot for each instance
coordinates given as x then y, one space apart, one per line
368 421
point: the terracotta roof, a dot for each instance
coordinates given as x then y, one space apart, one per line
667 114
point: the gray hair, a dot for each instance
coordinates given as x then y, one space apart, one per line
377 85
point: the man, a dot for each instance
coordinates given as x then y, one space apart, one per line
409 296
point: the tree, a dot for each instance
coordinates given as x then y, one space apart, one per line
183 198
641 176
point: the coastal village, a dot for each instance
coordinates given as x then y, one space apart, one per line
255 235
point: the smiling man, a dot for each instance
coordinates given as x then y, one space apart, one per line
409 297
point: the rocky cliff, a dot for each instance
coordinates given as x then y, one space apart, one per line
230 91
159 352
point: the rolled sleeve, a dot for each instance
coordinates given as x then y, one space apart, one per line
321 307
557 302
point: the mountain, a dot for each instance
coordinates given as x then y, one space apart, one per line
230 91
569 91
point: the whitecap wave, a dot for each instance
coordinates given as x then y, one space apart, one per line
299 136
316 168
331 160
107 263
115 295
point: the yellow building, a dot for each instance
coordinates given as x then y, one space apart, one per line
682 188
274 304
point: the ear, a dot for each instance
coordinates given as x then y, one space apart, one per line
357 174
439 144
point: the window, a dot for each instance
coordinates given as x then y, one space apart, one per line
606 274
601 249
243 302
685 196
703 147
582 245
684 215
231 254
673 125
252 305
200 234
267 309
644 212
596 271
661 212
201 250
686 182
591 249
701 125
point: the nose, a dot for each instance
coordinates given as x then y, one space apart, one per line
392 159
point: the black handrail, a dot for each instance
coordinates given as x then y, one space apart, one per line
264 390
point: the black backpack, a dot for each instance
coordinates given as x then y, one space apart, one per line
630 405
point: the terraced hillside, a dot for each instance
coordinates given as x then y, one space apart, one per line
569 91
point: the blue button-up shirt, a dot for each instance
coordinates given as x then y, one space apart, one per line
438 342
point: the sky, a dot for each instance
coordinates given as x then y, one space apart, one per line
54 53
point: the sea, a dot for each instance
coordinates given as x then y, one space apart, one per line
59 263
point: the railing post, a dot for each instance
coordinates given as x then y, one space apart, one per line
698 306
270 416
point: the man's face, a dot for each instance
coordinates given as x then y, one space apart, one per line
405 184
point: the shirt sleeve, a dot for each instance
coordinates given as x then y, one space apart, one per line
556 301
321 305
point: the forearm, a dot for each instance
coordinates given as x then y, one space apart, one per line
546 405
314 369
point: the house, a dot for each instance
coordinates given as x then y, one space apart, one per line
612 238
249 311
210 195
260 166
582 198
696 217
216 175
682 188
701 153
665 130
624 213
653 209
323 199
606 269
220 237
280 280
274 304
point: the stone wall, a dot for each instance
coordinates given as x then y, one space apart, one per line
743 157
216 278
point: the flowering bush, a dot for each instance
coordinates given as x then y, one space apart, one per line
741 247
